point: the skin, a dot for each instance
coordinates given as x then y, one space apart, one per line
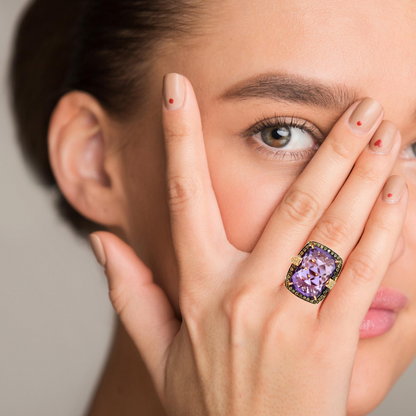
114 173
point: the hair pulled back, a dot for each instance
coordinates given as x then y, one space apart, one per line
103 47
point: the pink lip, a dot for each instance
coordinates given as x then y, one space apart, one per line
383 312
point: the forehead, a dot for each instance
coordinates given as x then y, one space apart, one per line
369 46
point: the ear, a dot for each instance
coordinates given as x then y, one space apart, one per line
85 170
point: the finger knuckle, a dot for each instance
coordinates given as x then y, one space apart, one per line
362 267
341 149
182 191
234 305
192 312
238 310
367 173
321 348
386 223
333 229
300 206
119 299
275 326
178 134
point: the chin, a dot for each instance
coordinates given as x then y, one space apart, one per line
372 375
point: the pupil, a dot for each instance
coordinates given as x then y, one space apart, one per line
277 137
280 132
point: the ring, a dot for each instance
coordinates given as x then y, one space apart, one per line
313 272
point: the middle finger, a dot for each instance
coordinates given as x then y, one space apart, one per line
313 191
343 222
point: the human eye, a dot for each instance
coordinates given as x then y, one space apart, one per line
299 138
409 152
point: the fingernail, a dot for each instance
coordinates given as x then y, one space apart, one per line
98 249
383 139
393 189
366 114
173 91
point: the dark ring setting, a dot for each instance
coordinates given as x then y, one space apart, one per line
313 272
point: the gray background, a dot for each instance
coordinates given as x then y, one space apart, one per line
56 322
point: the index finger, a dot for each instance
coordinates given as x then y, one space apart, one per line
197 230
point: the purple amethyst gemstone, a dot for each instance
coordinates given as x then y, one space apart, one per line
310 277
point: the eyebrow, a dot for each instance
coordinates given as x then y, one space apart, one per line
283 87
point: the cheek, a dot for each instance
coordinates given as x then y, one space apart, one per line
248 190
246 206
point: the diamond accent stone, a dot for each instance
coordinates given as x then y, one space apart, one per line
310 277
296 260
330 283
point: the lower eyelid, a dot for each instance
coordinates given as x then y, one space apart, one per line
281 154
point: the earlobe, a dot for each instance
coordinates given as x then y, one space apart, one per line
78 157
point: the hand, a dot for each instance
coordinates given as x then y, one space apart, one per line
246 345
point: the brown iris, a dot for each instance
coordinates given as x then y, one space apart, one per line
276 137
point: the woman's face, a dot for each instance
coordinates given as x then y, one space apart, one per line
348 50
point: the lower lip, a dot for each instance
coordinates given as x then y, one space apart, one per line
377 322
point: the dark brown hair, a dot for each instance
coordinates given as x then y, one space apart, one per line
103 47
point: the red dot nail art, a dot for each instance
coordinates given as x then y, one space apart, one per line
171 100
389 195
359 123
378 143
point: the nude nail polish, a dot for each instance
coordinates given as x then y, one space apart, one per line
365 115
393 189
98 249
173 91
383 138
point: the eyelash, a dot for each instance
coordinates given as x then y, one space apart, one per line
279 121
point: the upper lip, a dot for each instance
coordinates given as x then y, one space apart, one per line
389 298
